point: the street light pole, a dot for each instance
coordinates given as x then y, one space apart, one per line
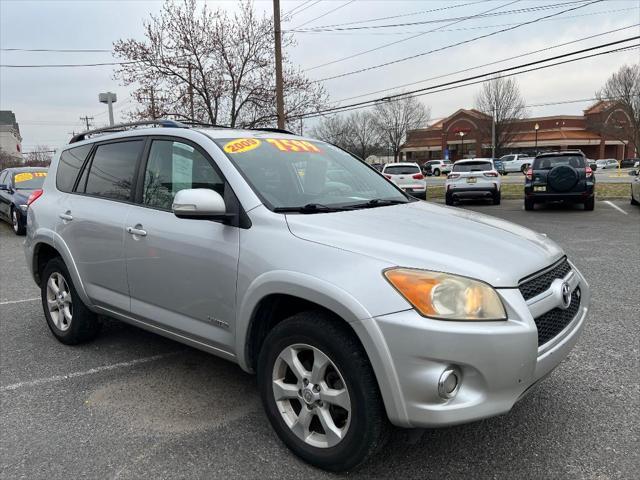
461 144
536 128
278 52
109 98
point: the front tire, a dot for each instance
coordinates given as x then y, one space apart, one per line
436 172
320 393
68 318
17 223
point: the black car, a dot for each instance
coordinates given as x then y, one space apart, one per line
16 185
629 162
560 176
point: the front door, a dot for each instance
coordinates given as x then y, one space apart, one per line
182 272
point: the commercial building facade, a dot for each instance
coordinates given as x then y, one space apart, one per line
467 134
10 138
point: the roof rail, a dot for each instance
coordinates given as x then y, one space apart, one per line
195 123
121 127
275 130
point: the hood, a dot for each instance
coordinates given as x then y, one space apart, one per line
432 237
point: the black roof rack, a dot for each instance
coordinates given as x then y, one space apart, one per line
275 130
121 127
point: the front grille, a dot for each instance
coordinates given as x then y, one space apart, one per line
554 321
541 283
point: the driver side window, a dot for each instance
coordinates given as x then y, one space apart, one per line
174 166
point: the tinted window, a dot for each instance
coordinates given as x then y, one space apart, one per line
507 158
402 170
3 176
112 170
174 166
472 167
29 180
69 165
289 173
547 163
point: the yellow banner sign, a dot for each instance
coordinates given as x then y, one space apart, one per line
242 145
26 176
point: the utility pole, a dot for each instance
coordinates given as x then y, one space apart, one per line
493 133
191 94
86 120
278 51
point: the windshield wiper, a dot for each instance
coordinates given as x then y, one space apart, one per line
310 208
376 202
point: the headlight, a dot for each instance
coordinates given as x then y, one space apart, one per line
447 297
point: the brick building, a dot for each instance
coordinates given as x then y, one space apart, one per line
467 134
10 138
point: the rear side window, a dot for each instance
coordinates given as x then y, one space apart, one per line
175 166
69 165
547 163
472 167
402 170
112 170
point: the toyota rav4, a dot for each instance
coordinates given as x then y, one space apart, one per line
357 305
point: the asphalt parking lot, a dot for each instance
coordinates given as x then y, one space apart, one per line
135 405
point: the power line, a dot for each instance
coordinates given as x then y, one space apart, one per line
290 12
442 20
61 50
291 15
325 14
479 27
480 78
409 38
551 47
392 62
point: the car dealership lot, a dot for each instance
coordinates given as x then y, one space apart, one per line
135 405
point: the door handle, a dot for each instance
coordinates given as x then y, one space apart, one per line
137 231
66 216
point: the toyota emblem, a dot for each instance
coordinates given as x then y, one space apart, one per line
566 295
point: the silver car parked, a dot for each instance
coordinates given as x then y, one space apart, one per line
357 306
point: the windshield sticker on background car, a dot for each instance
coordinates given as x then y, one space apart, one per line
285 145
26 176
242 145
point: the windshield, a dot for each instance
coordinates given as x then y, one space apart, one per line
29 180
547 163
287 173
472 167
402 170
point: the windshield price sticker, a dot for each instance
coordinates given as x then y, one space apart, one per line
242 145
285 145
26 176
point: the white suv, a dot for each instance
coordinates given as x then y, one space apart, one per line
357 306
473 178
407 176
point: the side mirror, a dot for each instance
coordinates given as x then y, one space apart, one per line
200 203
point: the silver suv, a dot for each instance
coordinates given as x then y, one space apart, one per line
358 306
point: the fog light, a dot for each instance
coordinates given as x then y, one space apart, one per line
449 383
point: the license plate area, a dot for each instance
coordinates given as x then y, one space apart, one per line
472 180
540 188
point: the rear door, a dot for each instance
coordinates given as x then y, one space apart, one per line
471 174
559 174
92 217
182 272
405 176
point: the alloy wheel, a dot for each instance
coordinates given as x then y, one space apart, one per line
311 395
59 301
14 221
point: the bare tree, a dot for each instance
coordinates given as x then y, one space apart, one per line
500 98
622 91
394 118
207 65
40 156
364 136
333 129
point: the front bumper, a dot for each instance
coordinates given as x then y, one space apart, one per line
498 361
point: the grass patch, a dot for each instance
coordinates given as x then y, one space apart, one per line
604 191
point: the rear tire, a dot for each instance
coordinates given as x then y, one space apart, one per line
528 204
590 204
448 199
634 201
300 415
496 198
68 318
17 223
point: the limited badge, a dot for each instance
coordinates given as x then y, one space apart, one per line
242 145
286 145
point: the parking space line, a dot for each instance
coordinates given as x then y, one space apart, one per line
9 302
105 368
611 204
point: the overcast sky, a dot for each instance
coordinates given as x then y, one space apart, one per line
49 101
